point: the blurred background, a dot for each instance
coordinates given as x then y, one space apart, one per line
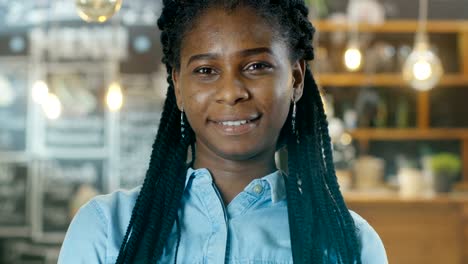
82 88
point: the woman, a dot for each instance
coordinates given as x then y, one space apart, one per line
239 90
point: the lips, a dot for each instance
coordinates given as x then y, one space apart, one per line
236 125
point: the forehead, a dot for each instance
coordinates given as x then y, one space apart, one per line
217 30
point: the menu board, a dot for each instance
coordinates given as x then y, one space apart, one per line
64 185
13 104
138 126
14 194
82 123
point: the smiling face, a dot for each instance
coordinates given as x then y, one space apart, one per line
235 83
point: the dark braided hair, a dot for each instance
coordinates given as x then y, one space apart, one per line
321 226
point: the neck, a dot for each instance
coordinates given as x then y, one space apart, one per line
232 176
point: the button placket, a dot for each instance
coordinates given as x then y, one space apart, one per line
214 207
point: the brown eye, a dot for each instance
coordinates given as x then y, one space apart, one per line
204 71
259 66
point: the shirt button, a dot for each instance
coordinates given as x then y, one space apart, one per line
258 189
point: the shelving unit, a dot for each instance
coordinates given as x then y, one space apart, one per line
410 133
383 80
423 130
396 26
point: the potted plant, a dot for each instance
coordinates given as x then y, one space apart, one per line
445 168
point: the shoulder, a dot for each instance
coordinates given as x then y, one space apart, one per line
114 208
98 227
116 203
372 248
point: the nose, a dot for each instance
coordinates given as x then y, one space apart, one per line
232 90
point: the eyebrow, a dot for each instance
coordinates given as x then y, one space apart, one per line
243 53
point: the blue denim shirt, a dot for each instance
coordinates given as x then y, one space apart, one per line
252 229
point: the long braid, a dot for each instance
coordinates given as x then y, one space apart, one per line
138 219
295 207
147 195
312 180
161 146
328 207
332 182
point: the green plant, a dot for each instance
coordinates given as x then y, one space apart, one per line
320 6
446 164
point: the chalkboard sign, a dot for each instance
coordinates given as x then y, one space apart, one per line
63 186
13 104
14 194
82 125
139 120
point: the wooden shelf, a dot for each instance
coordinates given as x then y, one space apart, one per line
394 197
410 134
357 79
423 131
396 26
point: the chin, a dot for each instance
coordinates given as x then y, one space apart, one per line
236 153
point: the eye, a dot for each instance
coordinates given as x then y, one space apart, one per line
204 71
259 66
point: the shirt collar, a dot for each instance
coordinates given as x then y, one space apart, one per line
274 181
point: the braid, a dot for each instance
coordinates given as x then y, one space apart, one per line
161 176
331 180
319 220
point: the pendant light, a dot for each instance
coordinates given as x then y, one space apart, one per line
422 69
52 106
97 10
114 95
40 90
353 55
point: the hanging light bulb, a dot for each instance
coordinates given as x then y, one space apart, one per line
352 57
52 106
422 69
114 97
40 91
97 10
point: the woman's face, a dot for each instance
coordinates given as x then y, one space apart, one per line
236 83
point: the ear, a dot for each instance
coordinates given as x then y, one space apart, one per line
175 81
298 72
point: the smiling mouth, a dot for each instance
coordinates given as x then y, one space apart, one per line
234 123
237 127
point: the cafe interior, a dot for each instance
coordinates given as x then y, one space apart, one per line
82 88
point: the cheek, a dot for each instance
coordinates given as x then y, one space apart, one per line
280 102
196 101
281 110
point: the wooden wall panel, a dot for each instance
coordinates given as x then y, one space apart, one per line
419 232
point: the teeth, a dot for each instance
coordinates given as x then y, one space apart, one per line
234 123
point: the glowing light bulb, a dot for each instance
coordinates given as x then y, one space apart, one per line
52 106
114 97
97 10
40 91
422 69
346 139
352 58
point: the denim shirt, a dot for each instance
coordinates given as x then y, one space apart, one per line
252 229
